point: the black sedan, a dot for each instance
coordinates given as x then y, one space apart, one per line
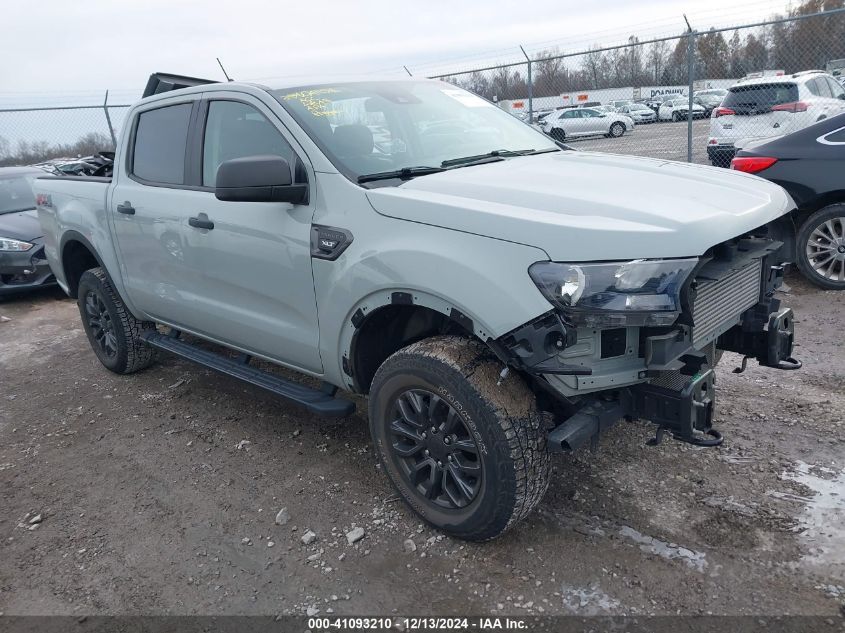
23 265
810 165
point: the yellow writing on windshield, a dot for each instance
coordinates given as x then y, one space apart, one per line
313 101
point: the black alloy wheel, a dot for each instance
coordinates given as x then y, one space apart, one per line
100 324
435 451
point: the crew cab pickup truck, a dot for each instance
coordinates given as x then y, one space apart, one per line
498 296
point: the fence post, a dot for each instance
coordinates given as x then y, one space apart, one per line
690 79
108 119
530 87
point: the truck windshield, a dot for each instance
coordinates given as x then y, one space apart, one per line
377 127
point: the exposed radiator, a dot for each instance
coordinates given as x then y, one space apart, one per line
718 304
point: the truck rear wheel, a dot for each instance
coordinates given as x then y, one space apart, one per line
466 453
114 334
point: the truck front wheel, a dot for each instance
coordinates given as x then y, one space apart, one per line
463 448
114 334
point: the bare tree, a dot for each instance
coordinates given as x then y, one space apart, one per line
549 74
657 58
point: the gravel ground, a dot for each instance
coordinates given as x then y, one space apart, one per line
159 493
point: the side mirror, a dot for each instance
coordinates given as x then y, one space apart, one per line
258 179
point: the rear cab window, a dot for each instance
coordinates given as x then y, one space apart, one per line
158 151
759 98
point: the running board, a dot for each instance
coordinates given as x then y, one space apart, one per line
321 402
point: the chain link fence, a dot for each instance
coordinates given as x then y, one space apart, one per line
694 96
30 136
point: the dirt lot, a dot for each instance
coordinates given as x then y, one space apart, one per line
158 493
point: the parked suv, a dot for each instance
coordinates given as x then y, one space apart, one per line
771 106
497 297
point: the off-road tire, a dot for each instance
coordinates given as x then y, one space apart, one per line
130 354
504 422
805 232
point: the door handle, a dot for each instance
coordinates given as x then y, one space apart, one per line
126 208
201 223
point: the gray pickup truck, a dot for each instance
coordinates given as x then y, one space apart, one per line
498 296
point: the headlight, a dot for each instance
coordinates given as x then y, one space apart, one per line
8 244
616 294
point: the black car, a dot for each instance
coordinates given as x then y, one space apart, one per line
22 262
810 165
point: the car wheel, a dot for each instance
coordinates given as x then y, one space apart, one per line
617 130
676 117
465 449
557 134
114 334
821 247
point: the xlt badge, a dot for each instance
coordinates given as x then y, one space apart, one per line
328 242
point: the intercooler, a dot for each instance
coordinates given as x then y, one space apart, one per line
716 307
718 303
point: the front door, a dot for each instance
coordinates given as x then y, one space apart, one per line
250 275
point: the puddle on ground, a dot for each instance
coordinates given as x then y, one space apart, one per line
823 518
588 600
666 550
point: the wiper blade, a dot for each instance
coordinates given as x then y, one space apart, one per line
494 156
405 173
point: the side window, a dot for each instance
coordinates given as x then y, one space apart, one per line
235 130
160 140
570 114
813 87
824 89
835 88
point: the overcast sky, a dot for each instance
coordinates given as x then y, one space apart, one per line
61 48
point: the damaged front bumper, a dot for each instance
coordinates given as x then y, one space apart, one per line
664 375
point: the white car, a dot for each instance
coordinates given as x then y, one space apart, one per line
639 112
771 106
677 109
586 122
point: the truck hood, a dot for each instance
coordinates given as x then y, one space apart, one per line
583 206
20 225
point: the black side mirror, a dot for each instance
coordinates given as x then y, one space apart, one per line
258 179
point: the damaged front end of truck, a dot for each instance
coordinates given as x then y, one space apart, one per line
640 339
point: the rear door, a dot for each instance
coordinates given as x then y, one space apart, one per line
147 208
593 122
837 93
571 122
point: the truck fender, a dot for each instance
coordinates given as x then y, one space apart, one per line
372 303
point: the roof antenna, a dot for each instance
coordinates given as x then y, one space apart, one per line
224 70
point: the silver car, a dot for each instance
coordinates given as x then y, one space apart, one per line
639 112
586 122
